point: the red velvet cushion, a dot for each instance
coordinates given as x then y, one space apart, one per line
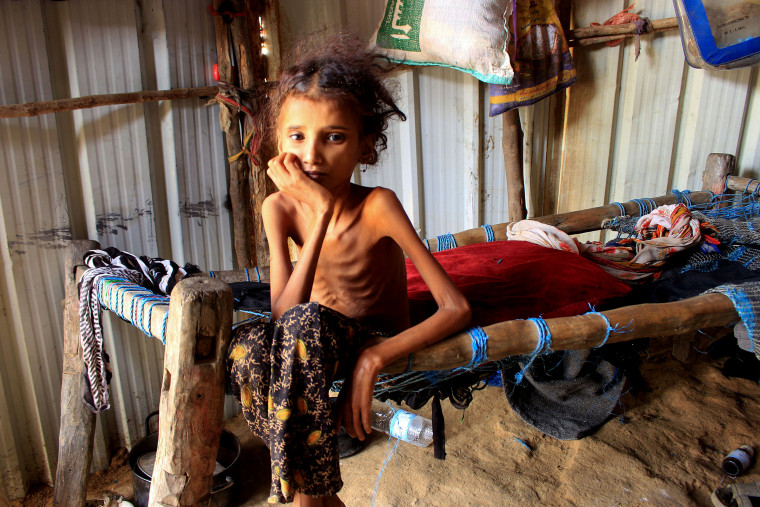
506 280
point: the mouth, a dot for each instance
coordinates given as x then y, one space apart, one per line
313 174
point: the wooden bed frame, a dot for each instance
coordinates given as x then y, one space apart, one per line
199 327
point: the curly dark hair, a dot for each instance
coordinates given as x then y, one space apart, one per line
340 68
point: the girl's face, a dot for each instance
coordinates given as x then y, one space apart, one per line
326 137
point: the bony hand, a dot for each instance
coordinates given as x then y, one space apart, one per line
357 410
286 172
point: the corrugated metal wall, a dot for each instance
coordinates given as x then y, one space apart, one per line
151 178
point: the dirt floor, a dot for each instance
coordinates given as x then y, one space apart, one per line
666 450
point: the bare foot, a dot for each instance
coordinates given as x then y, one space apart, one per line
301 500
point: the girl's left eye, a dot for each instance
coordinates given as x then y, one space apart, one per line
335 137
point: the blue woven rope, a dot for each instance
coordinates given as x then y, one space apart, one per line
110 288
247 276
427 245
479 346
258 275
544 345
212 274
142 301
610 327
446 242
646 205
490 237
620 207
163 329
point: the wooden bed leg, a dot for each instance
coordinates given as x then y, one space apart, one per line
192 394
718 168
77 420
683 347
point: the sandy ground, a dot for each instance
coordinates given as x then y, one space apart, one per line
667 451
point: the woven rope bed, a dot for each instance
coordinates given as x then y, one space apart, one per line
195 325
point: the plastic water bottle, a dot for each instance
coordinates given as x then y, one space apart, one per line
401 424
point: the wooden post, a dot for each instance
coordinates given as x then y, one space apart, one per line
77 420
512 143
238 187
718 168
111 99
192 394
556 132
253 70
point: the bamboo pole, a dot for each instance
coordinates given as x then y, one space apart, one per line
112 99
77 420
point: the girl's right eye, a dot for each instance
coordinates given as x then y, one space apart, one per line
296 136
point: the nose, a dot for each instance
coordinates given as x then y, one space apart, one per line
312 153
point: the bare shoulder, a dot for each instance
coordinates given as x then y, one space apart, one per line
381 200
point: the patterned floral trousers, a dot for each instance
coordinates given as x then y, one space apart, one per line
281 373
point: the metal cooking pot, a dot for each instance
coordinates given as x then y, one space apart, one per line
143 453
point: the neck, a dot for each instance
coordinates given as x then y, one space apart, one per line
342 199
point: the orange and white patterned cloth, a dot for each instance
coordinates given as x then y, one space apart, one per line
658 236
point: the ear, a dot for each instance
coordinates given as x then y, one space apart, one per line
367 149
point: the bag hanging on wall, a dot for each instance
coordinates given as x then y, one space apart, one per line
470 36
719 34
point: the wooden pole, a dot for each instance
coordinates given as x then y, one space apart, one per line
253 66
556 132
718 168
588 35
239 168
572 222
192 394
512 144
271 34
518 337
112 99
77 420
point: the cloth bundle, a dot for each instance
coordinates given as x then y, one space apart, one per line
155 274
658 236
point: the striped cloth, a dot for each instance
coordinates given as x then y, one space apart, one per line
155 274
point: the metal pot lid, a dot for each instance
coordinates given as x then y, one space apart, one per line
147 461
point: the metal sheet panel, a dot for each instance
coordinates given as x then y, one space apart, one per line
33 229
647 113
103 57
201 177
442 116
749 152
711 121
590 117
